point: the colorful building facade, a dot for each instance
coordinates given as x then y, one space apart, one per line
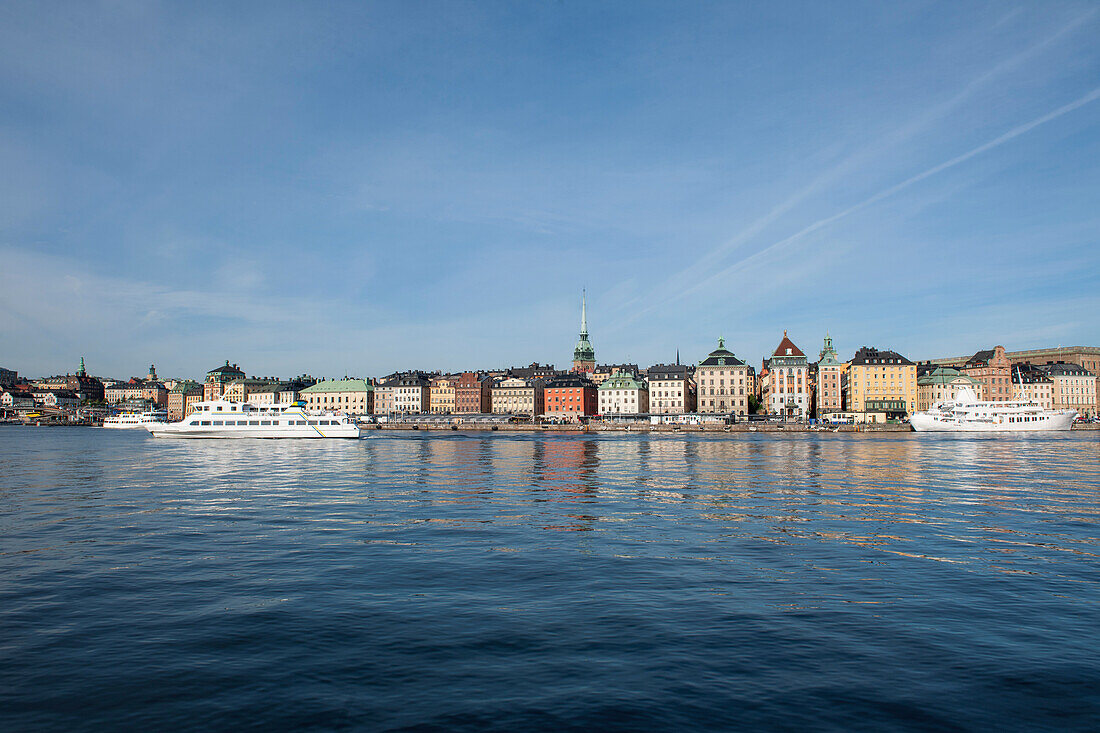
723 383
881 382
786 389
570 397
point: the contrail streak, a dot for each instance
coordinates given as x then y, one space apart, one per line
885 193
710 260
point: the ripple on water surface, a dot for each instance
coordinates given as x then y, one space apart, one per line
489 581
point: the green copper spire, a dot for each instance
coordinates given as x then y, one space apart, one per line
80 372
583 353
828 356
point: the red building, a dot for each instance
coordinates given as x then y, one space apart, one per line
473 393
993 369
570 396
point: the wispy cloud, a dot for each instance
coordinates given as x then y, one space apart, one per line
725 274
378 186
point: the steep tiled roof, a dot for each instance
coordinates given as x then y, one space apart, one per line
785 344
980 357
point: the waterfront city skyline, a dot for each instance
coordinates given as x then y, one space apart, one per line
365 189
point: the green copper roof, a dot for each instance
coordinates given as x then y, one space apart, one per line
583 351
186 386
339 385
621 380
721 356
828 355
944 375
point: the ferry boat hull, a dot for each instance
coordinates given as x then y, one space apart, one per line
123 426
926 423
309 432
223 419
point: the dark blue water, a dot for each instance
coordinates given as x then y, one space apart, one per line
492 582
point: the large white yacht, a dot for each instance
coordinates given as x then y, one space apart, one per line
130 420
224 419
969 414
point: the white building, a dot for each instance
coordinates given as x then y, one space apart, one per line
671 391
515 396
622 394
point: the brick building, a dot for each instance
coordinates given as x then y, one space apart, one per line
473 393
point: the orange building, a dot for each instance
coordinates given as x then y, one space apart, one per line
571 396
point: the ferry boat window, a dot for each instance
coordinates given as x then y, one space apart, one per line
217 422
204 422
253 422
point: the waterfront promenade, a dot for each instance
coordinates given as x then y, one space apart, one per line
749 428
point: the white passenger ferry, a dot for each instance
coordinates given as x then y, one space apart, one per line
224 419
130 420
968 414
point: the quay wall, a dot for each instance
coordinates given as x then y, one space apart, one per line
738 428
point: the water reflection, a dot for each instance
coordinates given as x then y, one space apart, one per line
462 574
1008 505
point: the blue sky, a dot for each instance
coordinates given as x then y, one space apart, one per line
358 188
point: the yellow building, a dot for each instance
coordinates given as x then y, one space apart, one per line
1074 388
441 401
881 382
241 390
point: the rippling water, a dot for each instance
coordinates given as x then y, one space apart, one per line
503 582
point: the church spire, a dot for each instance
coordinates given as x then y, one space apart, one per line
81 372
584 313
584 356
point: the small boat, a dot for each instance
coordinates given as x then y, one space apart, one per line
224 419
